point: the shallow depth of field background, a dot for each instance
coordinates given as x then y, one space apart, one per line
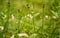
29 18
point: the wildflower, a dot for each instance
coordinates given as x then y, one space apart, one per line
12 17
23 34
12 36
1 27
29 15
54 17
46 16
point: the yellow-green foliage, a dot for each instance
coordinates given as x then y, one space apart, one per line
30 18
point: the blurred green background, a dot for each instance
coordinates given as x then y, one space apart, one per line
29 18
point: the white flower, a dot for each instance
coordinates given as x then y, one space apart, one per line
1 27
54 17
12 36
22 34
12 17
46 16
29 15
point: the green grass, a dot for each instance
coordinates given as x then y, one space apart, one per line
31 18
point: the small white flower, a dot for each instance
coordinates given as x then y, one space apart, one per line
12 36
46 16
22 34
1 27
29 15
54 17
12 17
